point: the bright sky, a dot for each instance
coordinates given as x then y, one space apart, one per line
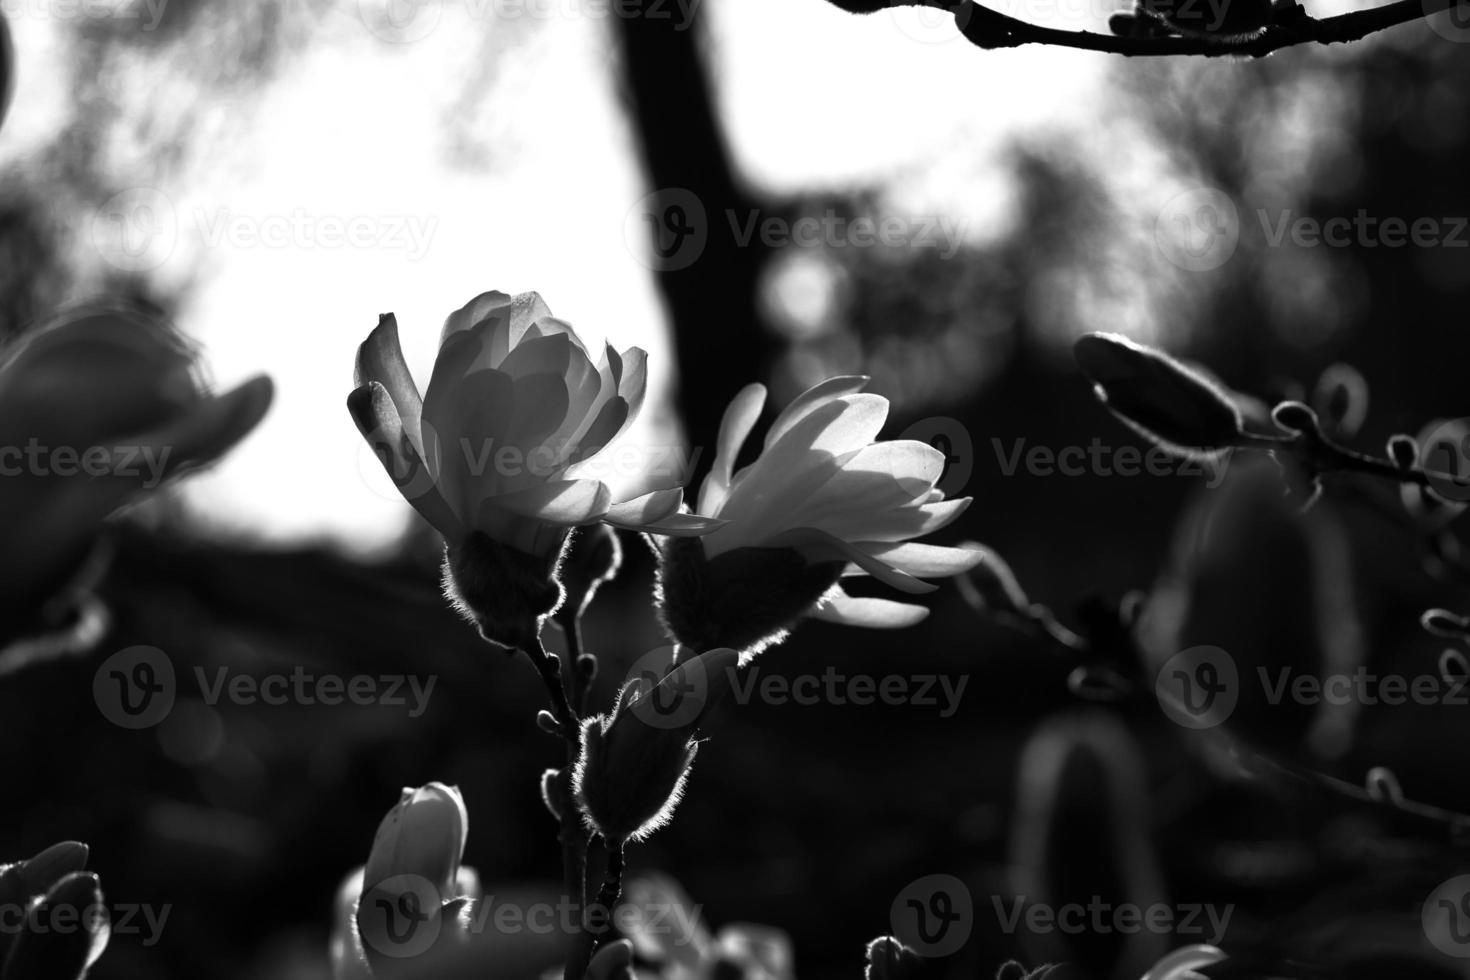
522 179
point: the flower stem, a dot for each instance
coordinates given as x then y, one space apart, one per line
601 909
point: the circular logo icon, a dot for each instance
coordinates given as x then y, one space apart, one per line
1444 450
1199 687
399 471
400 917
401 21
1452 24
667 230
1446 917
933 916
668 699
952 439
931 25
1198 230
136 230
134 688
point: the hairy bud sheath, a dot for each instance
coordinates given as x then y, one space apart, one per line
744 599
504 591
635 760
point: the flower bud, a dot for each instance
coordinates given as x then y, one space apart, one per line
507 593
552 793
594 557
889 959
39 886
634 761
1157 396
746 599
423 835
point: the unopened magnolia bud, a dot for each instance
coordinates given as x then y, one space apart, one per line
889 959
745 599
1159 397
614 961
423 835
634 761
594 557
506 592
546 721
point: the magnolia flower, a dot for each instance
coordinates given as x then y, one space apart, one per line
39 894
498 453
822 501
96 408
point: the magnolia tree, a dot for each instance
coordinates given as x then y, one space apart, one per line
499 454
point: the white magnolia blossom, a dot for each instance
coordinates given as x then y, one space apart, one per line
826 488
501 443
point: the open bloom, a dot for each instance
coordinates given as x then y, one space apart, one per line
498 453
823 500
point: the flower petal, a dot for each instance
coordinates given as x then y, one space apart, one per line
380 359
539 355
377 419
461 442
924 560
818 545
740 417
566 502
633 384
898 525
812 399
645 509
477 310
883 614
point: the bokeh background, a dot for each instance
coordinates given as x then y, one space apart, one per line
153 150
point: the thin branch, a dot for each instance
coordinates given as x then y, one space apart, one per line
991 29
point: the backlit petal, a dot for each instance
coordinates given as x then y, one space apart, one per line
812 399
380 359
740 417
870 613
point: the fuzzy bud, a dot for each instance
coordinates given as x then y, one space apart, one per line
1157 396
745 599
634 760
889 959
594 557
504 591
